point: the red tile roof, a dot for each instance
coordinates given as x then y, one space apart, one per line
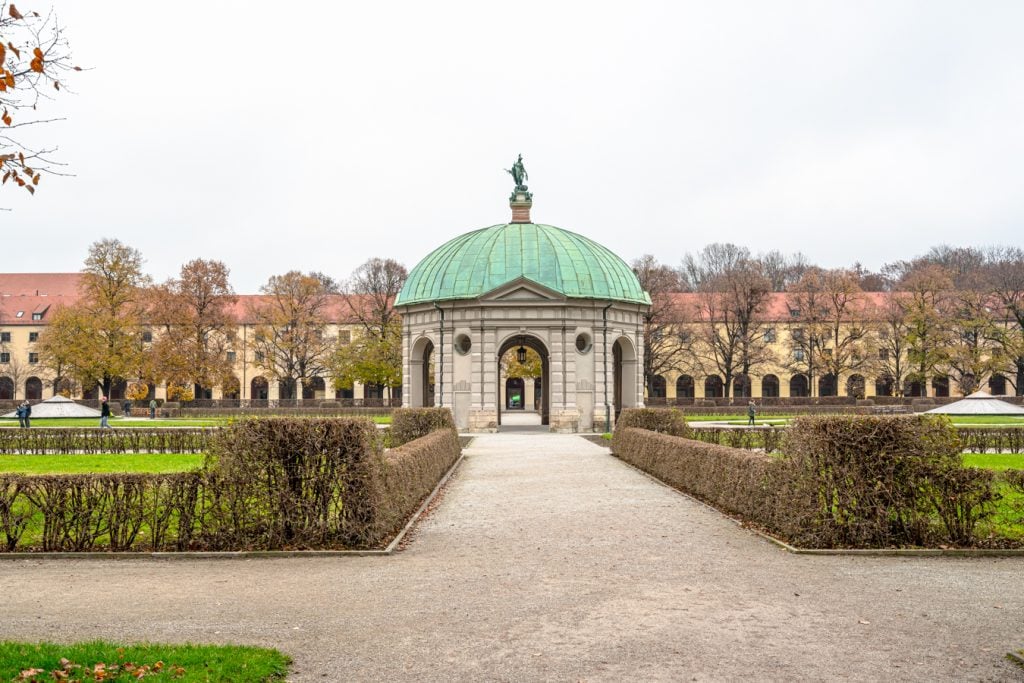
40 293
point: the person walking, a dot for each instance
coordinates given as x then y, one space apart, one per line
751 412
19 412
152 409
28 414
104 413
127 407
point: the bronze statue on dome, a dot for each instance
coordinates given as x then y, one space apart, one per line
519 175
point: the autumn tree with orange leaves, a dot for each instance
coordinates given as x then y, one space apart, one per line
34 60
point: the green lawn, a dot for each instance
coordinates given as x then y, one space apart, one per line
995 461
958 420
150 463
185 663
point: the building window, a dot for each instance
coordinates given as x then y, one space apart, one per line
231 356
37 316
147 336
684 337
794 312
5 357
19 314
826 353
344 336
798 334
33 358
33 336
883 354
769 335
798 355
259 356
5 337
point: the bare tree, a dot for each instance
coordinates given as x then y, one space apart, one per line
1006 282
371 291
974 351
662 352
34 62
290 340
926 306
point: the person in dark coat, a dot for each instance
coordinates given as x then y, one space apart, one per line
19 412
104 413
28 414
751 412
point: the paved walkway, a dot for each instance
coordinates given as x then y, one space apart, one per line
549 559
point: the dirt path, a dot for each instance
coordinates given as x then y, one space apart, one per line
549 559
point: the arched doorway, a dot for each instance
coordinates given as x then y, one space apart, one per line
33 389
230 388
313 388
770 386
518 344
997 385
855 386
259 389
828 385
421 377
515 393
624 374
798 386
657 388
884 386
940 385
713 387
6 389
684 386
741 386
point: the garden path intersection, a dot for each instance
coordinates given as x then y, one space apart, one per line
549 559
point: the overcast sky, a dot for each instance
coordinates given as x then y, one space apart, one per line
313 136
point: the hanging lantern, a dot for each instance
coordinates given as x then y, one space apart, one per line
521 354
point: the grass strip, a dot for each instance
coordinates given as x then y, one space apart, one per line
99 660
148 463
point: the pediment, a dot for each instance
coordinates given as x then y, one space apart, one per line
522 289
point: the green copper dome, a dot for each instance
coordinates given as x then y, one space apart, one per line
476 263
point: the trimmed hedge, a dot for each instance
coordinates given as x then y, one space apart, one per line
268 484
845 481
661 420
768 439
88 440
408 424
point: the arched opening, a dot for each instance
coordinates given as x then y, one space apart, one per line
624 375
855 386
940 385
286 388
884 386
231 388
202 393
713 387
997 385
769 386
684 386
913 388
515 348
313 388
6 389
421 375
515 393
657 388
828 385
798 386
259 389
741 386
33 389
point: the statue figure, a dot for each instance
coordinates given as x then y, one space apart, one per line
518 173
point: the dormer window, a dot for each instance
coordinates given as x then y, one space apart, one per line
19 314
37 316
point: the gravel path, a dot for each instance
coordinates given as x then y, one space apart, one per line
549 559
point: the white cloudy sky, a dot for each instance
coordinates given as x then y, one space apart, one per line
312 136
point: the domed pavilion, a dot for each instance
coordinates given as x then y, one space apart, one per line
523 285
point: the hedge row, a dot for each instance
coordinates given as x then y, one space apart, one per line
269 484
61 441
993 439
768 439
408 424
845 481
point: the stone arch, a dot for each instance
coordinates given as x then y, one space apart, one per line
657 388
884 386
259 389
713 387
421 359
940 385
624 360
6 389
33 389
530 341
770 386
997 385
741 386
828 385
799 386
856 386
231 388
313 388
684 387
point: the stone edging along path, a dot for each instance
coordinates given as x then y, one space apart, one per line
862 552
390 549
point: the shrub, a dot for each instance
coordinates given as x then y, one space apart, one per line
137 392
61 441
873 481
408 424
768 439
177 392
659 420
